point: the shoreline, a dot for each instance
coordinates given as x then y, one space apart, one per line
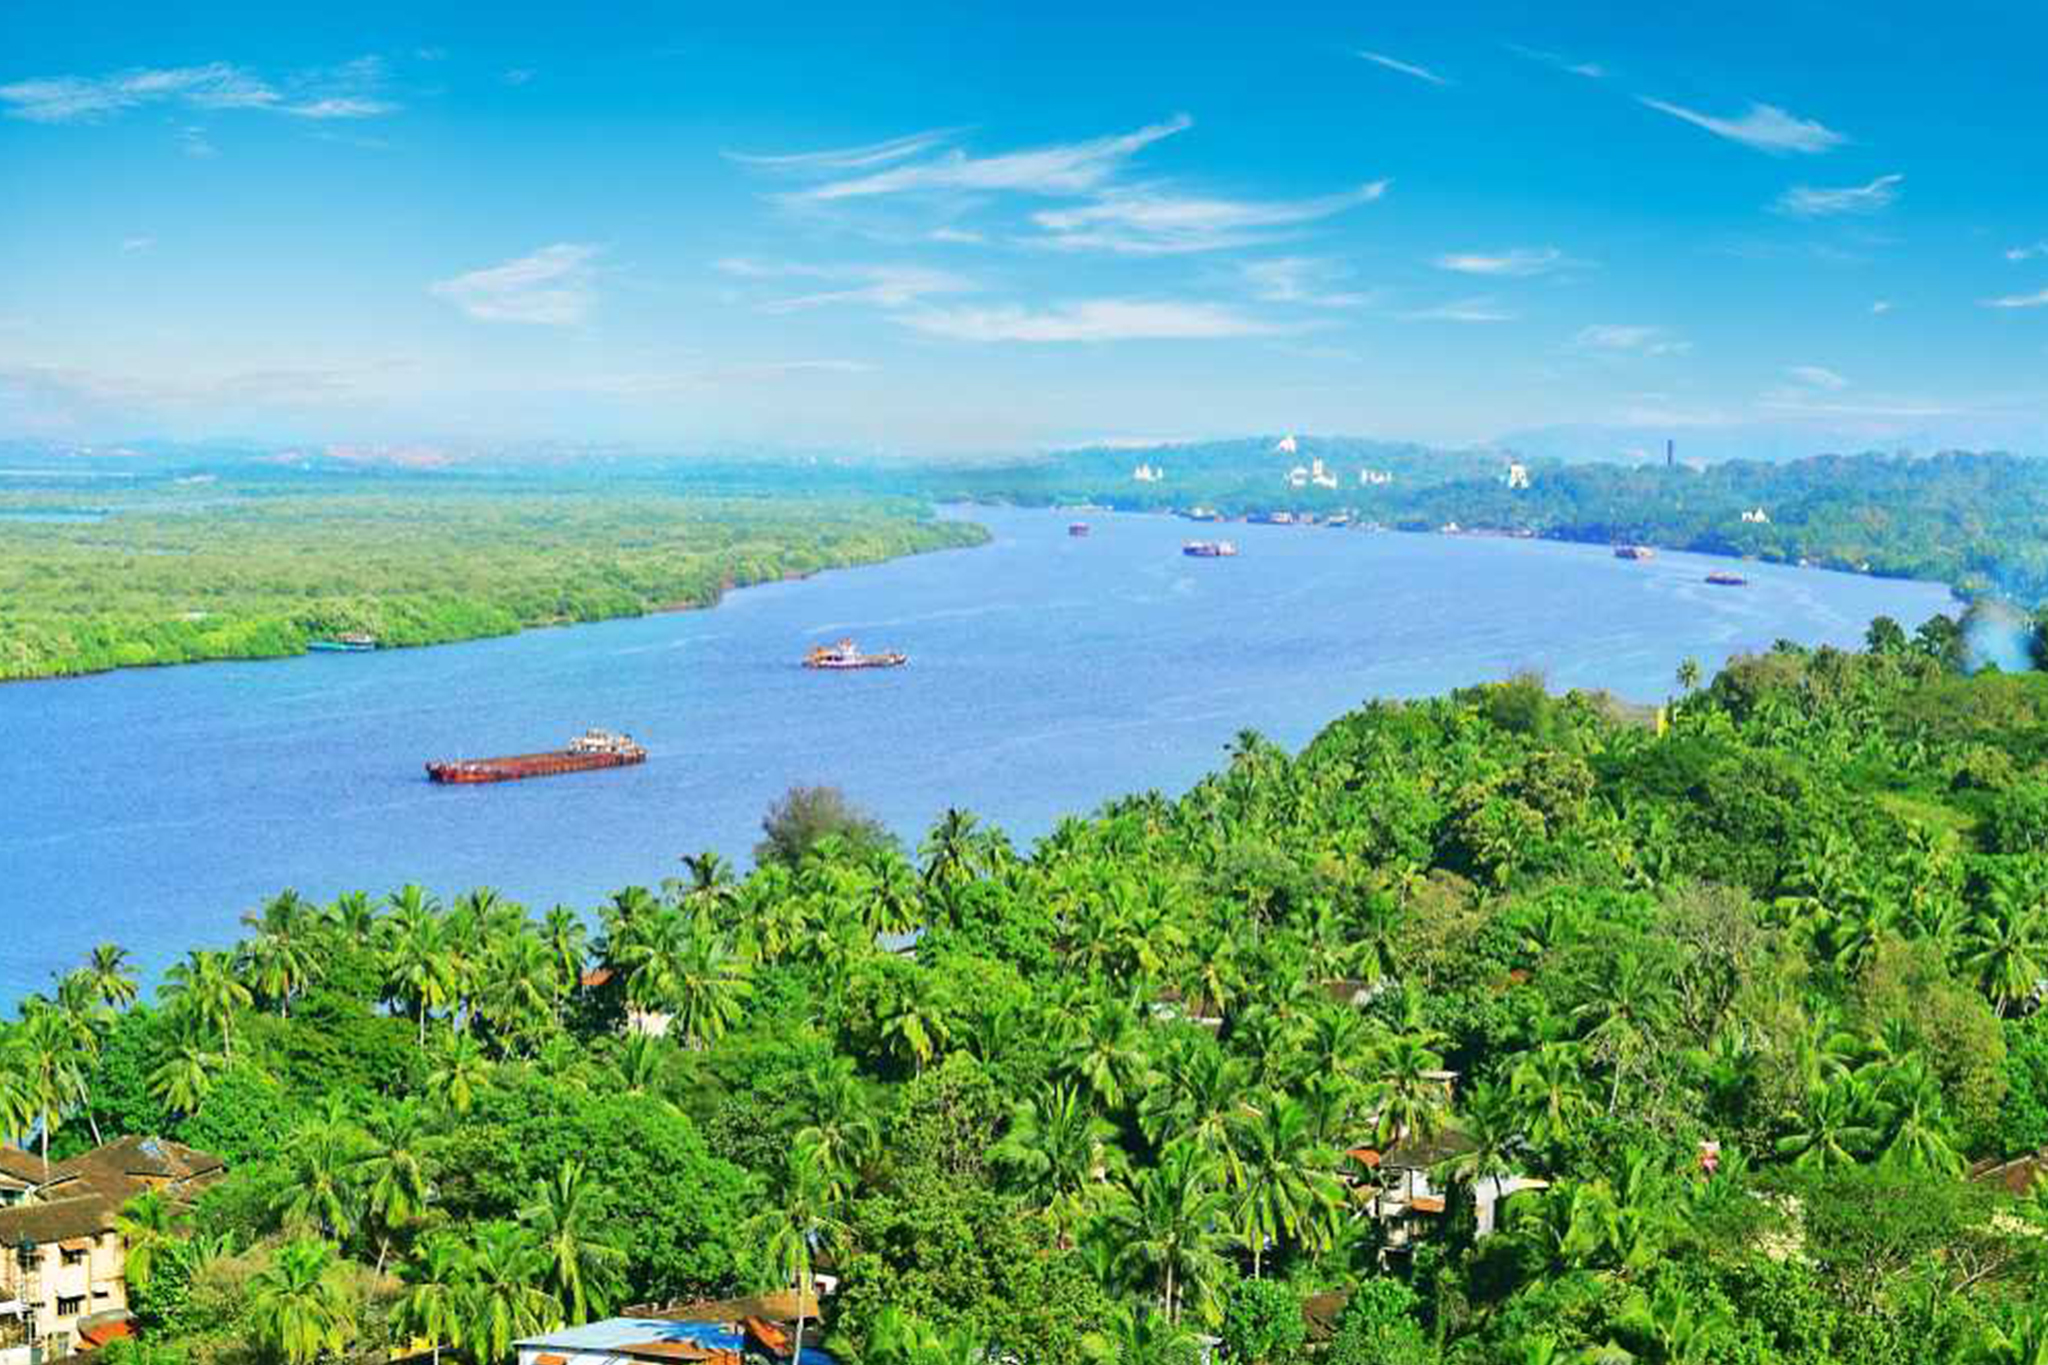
725 586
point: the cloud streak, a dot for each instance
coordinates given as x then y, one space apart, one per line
1090 320
848 158
1765 128
1060 169
1807 201
553 287
1150 220
1517 262
349 91
1616 338
2035 300
1420 73
879 286
1480 310
1301 280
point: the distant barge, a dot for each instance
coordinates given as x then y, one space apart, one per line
846 654
1634 552
1078 528
1722 579
1209 549
591 749
354 642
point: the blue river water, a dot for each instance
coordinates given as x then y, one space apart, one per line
1048 673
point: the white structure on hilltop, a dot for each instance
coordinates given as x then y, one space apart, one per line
1518 476
1372 478
1759 517
1145 473
1301 476
1286 446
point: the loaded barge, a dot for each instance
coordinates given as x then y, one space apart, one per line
591 749
1208 549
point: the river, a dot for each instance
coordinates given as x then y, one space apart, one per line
153 807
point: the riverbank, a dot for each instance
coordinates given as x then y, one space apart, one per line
263 577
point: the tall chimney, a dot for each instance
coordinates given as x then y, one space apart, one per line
1670 452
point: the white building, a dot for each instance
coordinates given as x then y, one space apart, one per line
1372 478
1145 473
1518 476
1286 446
1757 517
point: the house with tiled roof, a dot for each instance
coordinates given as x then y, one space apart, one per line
63 1266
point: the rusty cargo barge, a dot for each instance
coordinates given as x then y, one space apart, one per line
591 749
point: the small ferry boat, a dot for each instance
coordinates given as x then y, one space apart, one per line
1720 578
591 749
1209 549
1202 514
1077 528
1634 552
354 642
846 654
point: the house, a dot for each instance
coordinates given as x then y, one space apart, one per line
645 1023
63 1267
1146 473
1287 445
1409 1198
1758 517
2016 1177
1372 478
665 1341
1518 476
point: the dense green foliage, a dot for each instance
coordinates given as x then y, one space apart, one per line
237 570
1976 522
1106 1102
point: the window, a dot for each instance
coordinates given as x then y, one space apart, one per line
72 1257
70 1305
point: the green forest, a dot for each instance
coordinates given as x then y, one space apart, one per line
260 568
1978 522
1732 1001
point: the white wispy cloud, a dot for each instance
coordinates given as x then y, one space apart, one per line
516 76
350 90
1481 310
1818 377
1519 261
2026 253
552 287
1091 320
2035 300
957 236
1151 220
848 158
1808 201
1765 127
879 286
1302 280
1061 169
192 138
663 383
1881 306
1420 73
1592 71
1617 338
141 243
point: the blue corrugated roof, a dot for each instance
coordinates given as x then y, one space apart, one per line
611 1334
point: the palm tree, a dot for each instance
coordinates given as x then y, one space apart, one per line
437 1279
204 987
283 956
900 1338
2018 1335
1921 1137
1842 1124
113 979
1688 674
2006 944
1108 1053
804 1221
1408 1095
1284 1180
1492 1122
181 1081
321 1158
502 1298
393 1169
583 1268
419 967
1552 1089
1059 1154
1168 1227
299 1304
842 1128
913 1027
149 1228
713 986
568 943
460 1072
1625 1016
45 1055
1139 1334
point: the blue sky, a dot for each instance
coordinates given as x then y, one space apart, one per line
965 228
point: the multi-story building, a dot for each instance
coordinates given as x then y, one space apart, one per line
63 1266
